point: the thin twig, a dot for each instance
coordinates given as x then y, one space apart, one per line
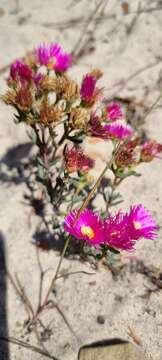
74 273
26 299
153 106
78 46
52 304
42 273
20 294
27 346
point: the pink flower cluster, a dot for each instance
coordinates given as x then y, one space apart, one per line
119 231
53 56
111 113
114 131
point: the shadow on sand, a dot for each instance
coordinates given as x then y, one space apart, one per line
4 350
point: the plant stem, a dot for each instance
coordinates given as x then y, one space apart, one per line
152 107
84 205
56 273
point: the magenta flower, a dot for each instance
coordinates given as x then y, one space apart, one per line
88 88
113 111
116 234
87 227
20 71
123 230
141 223
109 131
76 160
150 150
117 131
54 56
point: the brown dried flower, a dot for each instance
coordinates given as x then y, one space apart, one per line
71 91
24 99
79 118
97 73
9 97
48 83
50 114
62 83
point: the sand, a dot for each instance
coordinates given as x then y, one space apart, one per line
127 48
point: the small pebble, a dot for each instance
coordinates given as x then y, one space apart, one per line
100 319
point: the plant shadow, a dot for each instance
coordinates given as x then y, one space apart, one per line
4 350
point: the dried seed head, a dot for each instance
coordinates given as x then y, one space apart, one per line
9 97
61 84
50 114
79 118
24 99
97 73
71 91
48 84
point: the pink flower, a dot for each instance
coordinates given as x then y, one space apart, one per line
20 71
113 111
150 150
116 235
76 160
117 131
123 230
54 56
141 223
87 227
88 87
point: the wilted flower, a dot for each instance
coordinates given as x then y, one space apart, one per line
76 160
128 154
24 99
113 111
123 229
95 126
88 87
20 71
87 227
89 92
54 57
150 150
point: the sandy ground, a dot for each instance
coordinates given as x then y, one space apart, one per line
128 49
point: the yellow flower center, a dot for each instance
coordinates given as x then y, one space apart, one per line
51 63
137 225
87 230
